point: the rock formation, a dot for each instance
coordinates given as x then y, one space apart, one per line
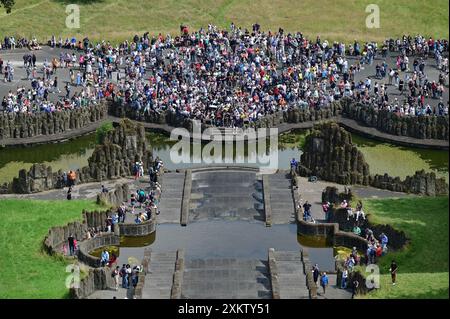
114 158
330 155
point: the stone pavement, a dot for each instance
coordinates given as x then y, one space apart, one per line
226 195
226 278
291 276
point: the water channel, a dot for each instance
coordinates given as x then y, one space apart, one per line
210 239
382 157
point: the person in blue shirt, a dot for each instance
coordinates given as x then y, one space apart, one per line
294 163
324 281
105 258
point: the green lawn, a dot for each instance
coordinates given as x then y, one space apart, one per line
25 270
423 264
120 19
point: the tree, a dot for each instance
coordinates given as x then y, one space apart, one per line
8 4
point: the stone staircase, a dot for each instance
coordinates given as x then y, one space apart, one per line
291 277
158 283
171 197
281 202
226 278
226 195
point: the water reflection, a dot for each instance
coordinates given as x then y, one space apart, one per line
289 146
401 161
69 155
236 239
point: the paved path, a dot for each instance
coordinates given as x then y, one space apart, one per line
226 278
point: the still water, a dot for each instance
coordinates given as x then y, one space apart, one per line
382 157
401 161
66 156
223 239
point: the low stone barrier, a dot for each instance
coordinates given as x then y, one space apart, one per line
86 246
309 276
328 230
397 238
422 127
266 196
136 230
186 198
273 270
96 279
177 280
24 125
141 277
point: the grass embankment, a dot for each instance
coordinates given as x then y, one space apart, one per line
116 20
25 270
423 265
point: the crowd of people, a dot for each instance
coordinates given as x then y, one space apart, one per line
232 77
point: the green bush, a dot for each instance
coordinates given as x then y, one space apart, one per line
102 131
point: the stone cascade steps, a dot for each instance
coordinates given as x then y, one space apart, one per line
229 195
226 278
281 199
171 197
291 277
158 283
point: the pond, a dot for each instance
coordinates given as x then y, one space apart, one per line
222 239
382 157
69 155
401 161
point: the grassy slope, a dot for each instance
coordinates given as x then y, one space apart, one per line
25 270
423 265
119 19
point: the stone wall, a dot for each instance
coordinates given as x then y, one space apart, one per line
22 125
116 197
423 127
112 159
164 117
330 231
141 277
96 279
39 178
397 238
309 276
86 246
297 115
420 183
330 155
137 230
57 236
